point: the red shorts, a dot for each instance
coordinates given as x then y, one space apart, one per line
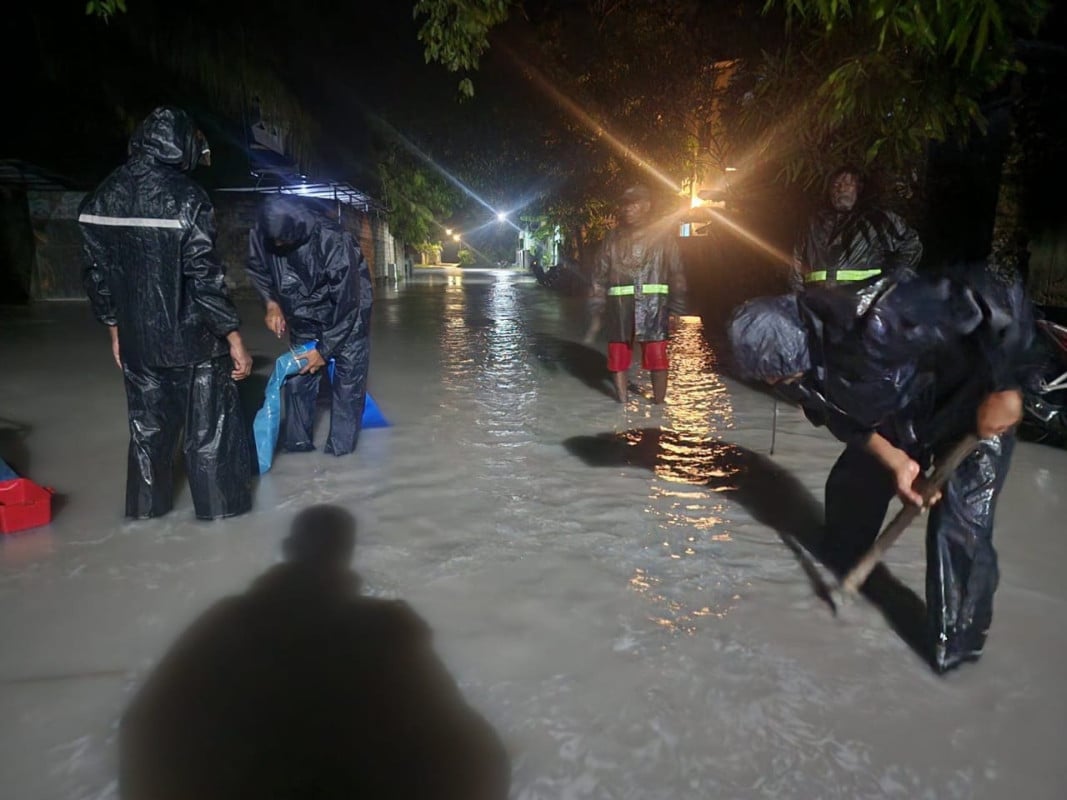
653 356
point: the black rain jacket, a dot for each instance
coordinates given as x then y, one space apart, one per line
910 359
149 235
861 239
638 257
319 278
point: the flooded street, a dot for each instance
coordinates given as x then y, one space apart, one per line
620 591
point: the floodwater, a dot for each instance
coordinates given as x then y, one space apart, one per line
622 592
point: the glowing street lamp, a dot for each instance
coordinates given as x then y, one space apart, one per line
502 216
448 231
455 237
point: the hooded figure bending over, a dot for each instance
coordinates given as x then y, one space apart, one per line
154 278
316 285
899 371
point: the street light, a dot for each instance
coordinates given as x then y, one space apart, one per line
502 216
448 231
455 237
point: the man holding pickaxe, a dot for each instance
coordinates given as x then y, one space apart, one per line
901 371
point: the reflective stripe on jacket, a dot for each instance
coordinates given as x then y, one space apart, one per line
841 275
637 291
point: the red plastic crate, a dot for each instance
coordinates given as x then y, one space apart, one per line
24 504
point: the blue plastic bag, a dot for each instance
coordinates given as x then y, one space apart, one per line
269 418
6 473
372 416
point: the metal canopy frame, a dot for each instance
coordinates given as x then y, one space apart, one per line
333 190
14 172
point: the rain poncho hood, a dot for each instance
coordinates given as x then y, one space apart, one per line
909 358
151 264
769 339
284 218
169 136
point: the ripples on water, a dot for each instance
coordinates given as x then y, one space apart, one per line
607 571
605 581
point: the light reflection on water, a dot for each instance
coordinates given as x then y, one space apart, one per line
591 570
495 397
564 572
690 520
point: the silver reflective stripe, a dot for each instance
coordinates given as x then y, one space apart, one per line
130 222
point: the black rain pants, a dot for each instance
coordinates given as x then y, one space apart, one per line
961 564
202 401
348 395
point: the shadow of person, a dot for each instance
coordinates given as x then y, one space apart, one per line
585 363
771 494
303 688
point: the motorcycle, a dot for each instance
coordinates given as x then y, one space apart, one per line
565 278
1045 396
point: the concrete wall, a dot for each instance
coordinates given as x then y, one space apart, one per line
16 246
1048 267
58 259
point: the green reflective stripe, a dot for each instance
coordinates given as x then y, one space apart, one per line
843 275
648 288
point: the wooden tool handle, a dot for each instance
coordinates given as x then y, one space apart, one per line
932 485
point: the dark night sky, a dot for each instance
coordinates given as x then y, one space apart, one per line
66 73
342 58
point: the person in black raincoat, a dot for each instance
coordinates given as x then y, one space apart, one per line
154 279
899 372
852 240
638 290
316 285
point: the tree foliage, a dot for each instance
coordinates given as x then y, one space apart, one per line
612 93
455 33
417 199
105 9
873 81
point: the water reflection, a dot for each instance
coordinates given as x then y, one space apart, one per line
693 517
508 388
489 389
770 494
698 403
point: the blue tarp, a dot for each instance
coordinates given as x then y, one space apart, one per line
8 474
268 419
